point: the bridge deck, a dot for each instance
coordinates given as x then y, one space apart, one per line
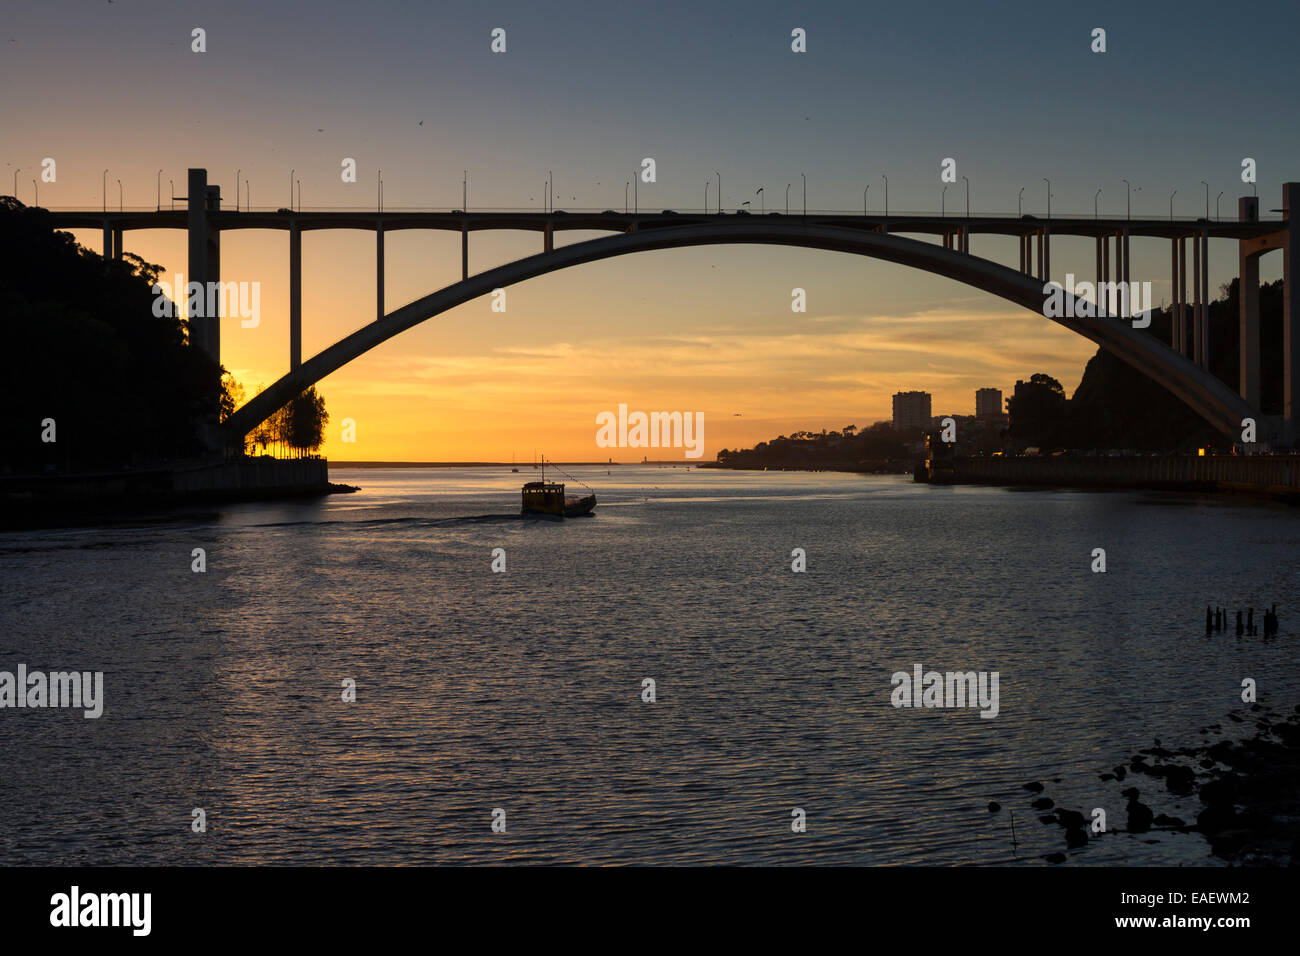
560 221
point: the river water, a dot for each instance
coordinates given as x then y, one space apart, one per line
522 691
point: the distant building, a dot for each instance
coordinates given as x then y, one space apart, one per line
911 410
988 406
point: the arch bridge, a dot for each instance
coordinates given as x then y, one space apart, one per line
1181 365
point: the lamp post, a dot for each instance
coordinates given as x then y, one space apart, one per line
248 195
121 202
886 179
636 191
1020 199
464 191
16 171
719 175
864 200
1171 203
1128 199
1094 204
628 185
300 195
37 190
1216 204
762 201
238 173
706 197
171 188
550 190
787 198
943 197
805 193
158 207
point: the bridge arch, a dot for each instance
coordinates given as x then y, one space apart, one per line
1205 394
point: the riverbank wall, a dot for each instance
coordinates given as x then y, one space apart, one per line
40 499
1275 476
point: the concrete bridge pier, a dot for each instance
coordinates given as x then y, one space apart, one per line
379 271
204 256
1199 305
464 250
1248 307
1291 312
295 296
1177 338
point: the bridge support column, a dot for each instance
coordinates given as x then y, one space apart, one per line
108 242
464 250
1248 308
379 270
1291 311
1204 240
1198 337
295 296
204 256
548 238
1101 266
1176 338
117 243
1046 265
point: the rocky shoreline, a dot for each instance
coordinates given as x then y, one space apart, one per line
1249 790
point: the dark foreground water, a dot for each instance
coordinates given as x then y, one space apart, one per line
522 690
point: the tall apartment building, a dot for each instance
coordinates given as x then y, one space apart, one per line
988 405
911 410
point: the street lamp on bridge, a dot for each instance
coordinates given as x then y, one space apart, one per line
886 179
37 190
1128 200
238 173
719 175
291 172
1171 203
16 171
864 200
706 197
1020 198
762 201
171 188
1216 204
158 207
1094 203
805 193
120 201
943 196
787 198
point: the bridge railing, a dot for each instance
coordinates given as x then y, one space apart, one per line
678 210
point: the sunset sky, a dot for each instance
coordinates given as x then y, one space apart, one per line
1010 90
